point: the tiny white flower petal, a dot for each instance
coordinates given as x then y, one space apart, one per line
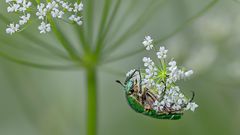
188 73
162 53
44 28
24 19
78 7
192 106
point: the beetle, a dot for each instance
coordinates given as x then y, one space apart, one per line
141 99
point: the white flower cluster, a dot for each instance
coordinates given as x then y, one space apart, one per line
151 72
176 74
21 7
161 80
56 9
172 101
148 43
18 5
162 54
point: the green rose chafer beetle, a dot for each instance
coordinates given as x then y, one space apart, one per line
141 99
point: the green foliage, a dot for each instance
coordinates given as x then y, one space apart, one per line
36 101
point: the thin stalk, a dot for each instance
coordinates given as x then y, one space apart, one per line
35 39
91 112
37 65
88 15
107 26
105 14
63 40
124 15
83 43
115 30
80 31
136 26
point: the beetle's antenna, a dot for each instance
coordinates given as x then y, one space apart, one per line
193 95
119 82
128 78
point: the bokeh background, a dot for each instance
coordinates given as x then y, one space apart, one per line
37 101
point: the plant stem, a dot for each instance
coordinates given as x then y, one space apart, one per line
91 101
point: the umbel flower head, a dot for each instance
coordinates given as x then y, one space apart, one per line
153 90
58 9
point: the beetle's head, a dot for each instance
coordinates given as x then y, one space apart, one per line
128 85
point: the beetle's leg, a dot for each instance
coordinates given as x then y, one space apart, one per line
193 95
128 78
143 96
153 97
150 98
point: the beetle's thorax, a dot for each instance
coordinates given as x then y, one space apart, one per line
128 86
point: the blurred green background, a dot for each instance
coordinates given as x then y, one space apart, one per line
36 101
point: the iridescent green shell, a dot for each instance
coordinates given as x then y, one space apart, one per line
135 105
138 98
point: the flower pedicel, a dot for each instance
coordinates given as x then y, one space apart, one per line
153 91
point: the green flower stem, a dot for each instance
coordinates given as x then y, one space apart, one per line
91 77
88 14
84 44
102 43
37 65
105 15
133 28
63 40
45 45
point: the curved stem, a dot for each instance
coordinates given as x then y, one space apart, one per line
134 27
88 15
106 27
91 110
63 40
40 66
